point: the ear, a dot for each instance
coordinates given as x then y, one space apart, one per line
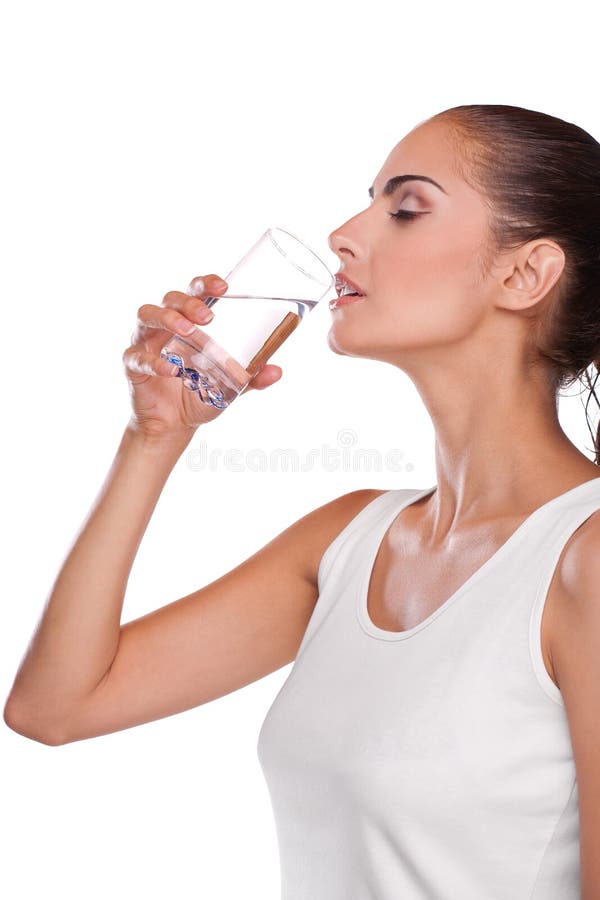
534 271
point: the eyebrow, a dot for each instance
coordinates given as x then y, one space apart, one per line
397 180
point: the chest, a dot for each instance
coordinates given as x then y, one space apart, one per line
409 582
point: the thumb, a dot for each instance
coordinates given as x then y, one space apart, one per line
265 377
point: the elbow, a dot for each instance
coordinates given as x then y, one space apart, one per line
17 722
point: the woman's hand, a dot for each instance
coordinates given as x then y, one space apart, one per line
162 406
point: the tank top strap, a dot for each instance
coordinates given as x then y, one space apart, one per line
341 562
366 522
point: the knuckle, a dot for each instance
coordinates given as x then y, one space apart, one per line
172 317
194 305
170 297
129 358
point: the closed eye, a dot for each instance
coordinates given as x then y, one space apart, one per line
407 214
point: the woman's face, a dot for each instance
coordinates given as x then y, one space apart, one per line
421 275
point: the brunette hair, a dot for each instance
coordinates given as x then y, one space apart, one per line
540 176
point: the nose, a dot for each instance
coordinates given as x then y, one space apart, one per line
340 242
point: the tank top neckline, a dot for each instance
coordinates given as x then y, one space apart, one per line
364 619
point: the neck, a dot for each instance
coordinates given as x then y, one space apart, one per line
499 446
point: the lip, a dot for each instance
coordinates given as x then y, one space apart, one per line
342 281
345 301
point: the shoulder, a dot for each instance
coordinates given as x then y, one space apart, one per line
576 591
578 569
576 663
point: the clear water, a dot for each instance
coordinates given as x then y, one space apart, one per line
300 306
218 360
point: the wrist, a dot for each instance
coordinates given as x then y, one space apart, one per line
169 442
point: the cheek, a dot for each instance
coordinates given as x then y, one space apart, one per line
431 281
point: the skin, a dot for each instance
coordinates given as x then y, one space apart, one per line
463 333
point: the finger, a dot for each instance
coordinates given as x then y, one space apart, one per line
191 304
141 363
169 319
265 377
205 285
196 310
200 287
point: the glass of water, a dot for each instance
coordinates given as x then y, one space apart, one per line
268 294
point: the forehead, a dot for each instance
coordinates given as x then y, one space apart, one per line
427 151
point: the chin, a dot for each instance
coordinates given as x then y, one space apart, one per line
345 346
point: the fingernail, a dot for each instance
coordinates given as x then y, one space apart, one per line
219 283
196 287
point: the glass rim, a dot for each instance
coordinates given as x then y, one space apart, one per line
275 228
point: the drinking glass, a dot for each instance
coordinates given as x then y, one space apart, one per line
268 294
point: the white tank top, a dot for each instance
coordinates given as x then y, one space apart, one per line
433 763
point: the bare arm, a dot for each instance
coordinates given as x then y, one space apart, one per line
576 661
78 634
85 674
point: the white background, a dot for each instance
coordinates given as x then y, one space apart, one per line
145 143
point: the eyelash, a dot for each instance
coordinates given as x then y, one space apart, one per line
404 214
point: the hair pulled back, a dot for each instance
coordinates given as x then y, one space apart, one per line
540 176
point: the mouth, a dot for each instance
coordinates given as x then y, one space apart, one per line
347 291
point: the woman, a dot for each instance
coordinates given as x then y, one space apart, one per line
438 735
